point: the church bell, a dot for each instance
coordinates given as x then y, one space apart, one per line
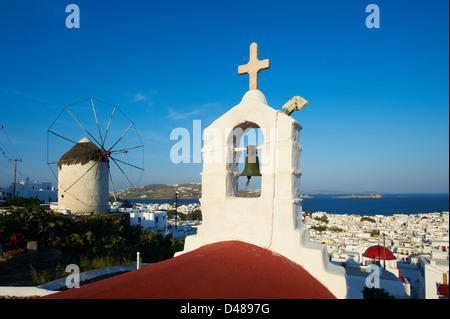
251 163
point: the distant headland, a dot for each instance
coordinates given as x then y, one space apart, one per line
361 196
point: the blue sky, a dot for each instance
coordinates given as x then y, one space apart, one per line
378 117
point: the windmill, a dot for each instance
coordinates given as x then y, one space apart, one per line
101 149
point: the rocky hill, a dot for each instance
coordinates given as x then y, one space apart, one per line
161 191
186 191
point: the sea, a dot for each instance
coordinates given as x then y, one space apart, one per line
389 205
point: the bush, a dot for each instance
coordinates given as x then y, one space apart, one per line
100 236
44 276
40 277
87 263
23 202
376 293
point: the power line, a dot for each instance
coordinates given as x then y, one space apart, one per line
4 153
4 150
14 149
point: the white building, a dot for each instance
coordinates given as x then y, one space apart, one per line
149 220
433 272
360 277
410 273
418 255
32 189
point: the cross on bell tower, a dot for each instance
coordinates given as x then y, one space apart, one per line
253 66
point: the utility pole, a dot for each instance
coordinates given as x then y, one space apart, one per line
176 208
15 171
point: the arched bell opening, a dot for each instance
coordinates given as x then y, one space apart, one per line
245 179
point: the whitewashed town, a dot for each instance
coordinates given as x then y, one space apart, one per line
415 263
417 245
417 248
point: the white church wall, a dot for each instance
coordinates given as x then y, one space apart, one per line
273 220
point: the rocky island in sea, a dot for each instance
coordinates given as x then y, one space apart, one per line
360 196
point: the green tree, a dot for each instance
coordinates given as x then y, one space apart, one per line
336 229
170 213
369 219
374 232
195 215
323 219
126 204
319 228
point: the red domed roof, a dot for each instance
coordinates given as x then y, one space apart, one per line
224 270
376 252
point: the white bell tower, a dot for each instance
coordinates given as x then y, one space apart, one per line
273 220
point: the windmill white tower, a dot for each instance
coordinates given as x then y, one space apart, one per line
108 148
83 179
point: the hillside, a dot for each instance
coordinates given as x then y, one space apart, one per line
186 191
161 191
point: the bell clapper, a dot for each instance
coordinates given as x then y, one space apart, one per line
246 185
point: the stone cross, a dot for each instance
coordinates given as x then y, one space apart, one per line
254 66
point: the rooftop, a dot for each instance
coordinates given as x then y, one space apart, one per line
81 153
229 269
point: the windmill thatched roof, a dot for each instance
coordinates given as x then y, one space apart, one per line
81 153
